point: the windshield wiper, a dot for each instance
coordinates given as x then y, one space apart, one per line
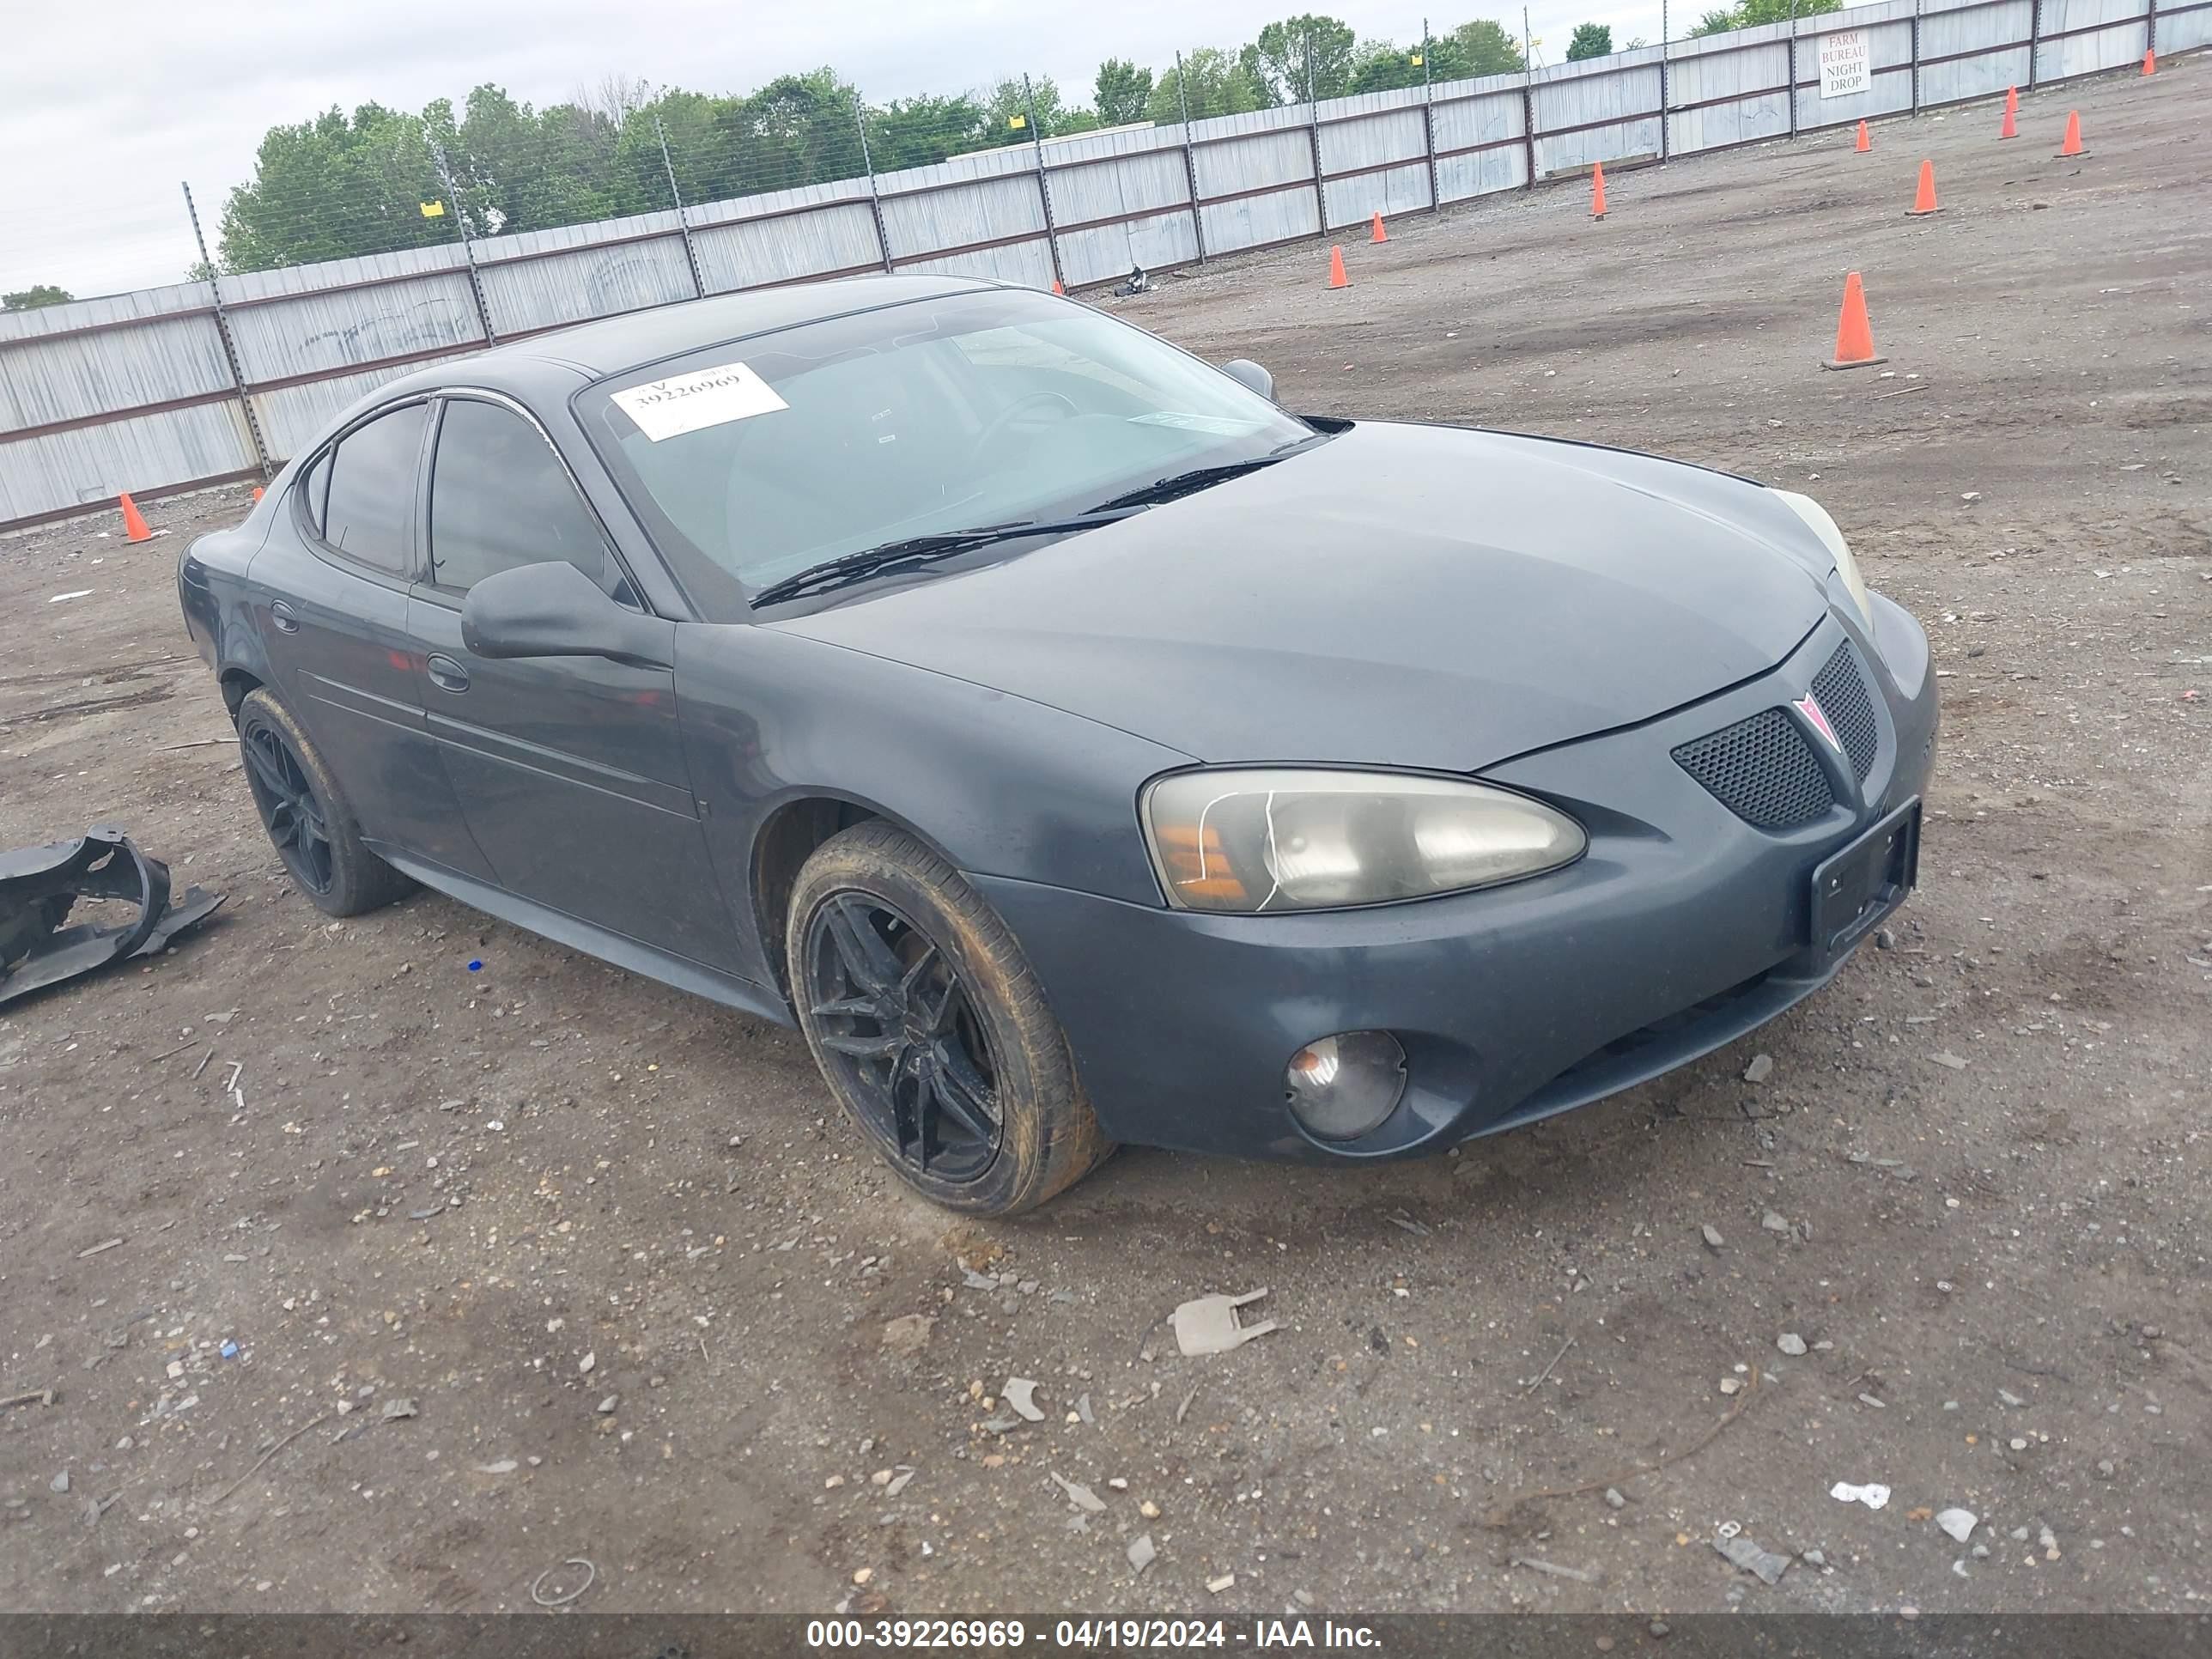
850 567
1198 478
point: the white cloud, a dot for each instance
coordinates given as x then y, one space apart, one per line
104 107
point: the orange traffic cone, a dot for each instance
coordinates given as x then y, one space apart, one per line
1597 190
1854 334
1057 287
2150 60
1381 235
1923 199
1864 143
2011 127
257 492
1336 277
134 521
2073 145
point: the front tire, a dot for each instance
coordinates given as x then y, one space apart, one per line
307 815
931 1029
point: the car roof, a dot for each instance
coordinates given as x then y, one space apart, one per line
550 364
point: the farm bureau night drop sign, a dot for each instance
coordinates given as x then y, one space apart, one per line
1843 62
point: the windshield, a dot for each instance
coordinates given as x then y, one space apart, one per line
751 461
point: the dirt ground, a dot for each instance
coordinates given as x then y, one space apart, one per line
630 1279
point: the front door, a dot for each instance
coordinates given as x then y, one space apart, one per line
332 599
570 770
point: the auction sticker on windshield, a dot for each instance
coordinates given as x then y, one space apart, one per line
704 398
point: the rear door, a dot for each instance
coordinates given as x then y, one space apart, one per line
570 770
333 600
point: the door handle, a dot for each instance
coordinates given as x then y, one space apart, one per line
283 615
444 673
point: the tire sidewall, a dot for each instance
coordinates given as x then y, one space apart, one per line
1034 1078
357 877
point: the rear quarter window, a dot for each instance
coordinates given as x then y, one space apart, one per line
368 511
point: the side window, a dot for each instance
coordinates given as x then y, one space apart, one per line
500 498
371 494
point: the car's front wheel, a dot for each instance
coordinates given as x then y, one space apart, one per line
931 1031
307 818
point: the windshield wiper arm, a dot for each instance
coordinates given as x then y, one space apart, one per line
850 567
1186 484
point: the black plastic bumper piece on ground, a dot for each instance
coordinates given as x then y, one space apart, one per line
39 885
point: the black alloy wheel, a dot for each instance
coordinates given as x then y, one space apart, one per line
295 815
898 1020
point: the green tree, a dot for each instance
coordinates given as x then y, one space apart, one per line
1303 57
334 188
38 294
1122 90
1713 23
1589 40
914 132
1215 83
1038 102
1482 47
1382 66
1752 12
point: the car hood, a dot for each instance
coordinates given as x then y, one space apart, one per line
1415 596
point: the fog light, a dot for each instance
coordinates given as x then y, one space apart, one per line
1344 1086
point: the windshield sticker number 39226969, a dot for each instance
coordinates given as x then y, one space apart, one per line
704 398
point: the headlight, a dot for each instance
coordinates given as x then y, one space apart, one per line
1825 527
1278 839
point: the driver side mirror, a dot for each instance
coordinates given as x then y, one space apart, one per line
554 609
1246 373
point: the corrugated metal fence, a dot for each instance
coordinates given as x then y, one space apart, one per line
167 389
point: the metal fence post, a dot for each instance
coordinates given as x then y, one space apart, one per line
875 195
1313 140
1044 185
1663 122
1190 164
2150 27
468 250
1793 78
1429 123
229 345
2034 43
682 220
1529 126
1916 56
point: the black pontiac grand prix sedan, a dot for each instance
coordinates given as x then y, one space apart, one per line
1075 745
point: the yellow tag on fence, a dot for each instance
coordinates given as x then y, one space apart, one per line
1018 121
433 210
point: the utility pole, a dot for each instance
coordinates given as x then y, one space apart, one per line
1044 184
468 251
229 343
875 195
683 221
1190 164
1429 121
1313 139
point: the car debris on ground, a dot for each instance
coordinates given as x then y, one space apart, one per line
1208 1324
39 886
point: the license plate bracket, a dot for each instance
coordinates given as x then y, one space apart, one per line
1855 888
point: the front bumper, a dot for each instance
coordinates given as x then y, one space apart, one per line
1682 928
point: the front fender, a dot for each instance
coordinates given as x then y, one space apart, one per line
999 785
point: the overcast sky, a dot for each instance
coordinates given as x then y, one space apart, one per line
104 105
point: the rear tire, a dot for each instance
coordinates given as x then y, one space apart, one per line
307 815
931 1029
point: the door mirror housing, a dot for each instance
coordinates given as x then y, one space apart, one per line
555 609
1245 372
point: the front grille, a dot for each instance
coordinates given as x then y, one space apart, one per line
1840 689
1762 769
